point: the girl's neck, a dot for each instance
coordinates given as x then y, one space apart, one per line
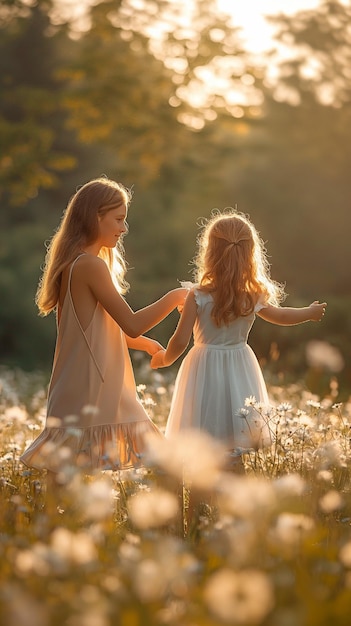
93 249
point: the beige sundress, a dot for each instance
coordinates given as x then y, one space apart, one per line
95 419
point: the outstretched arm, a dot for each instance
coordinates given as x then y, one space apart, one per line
180 338
95 275
290 316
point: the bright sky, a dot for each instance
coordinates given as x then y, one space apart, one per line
250 15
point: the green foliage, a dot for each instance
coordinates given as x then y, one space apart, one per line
112 101
31 157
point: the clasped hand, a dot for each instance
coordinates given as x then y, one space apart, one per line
158 359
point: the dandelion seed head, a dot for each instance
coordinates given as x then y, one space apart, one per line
331 501
151 509
96 499
244 496
78 547
325 476
322 354
245 597
149 581
291 527
15 414
345 554
191 453
289 485
329 454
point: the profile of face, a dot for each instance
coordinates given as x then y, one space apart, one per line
112 225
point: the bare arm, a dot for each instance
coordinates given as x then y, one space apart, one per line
290 316
181 336
145 344
93 274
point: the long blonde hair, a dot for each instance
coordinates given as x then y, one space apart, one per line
231 263
79 228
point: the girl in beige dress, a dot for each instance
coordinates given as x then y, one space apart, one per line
94 416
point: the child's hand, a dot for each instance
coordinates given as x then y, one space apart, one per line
317 310
153 347
158 359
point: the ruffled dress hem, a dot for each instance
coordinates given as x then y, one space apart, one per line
104 447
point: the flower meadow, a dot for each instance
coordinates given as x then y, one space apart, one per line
182 541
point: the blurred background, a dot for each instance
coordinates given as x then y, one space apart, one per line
195 105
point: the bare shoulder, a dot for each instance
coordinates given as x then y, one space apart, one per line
91 267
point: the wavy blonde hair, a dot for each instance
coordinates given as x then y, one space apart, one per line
79 228
231 263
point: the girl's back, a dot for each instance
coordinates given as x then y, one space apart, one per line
206 332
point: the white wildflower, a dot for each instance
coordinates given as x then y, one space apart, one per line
243 412
313 404
284 407
250 401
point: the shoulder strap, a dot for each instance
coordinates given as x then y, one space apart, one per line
76 316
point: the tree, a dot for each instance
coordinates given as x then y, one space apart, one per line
31 150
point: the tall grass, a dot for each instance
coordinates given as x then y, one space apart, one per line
270 547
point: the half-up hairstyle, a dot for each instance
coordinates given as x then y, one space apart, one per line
231 263
79 228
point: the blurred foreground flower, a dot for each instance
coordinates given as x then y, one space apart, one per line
331 501
150 509
95 500
244 597
245 496
291 528
192 454
323 355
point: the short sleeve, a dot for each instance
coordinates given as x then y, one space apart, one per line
201 297
260 304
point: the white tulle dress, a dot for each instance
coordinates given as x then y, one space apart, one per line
95 419
215 378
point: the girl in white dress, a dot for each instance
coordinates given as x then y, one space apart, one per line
221 371
95 419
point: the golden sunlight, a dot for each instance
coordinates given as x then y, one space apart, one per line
250 15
